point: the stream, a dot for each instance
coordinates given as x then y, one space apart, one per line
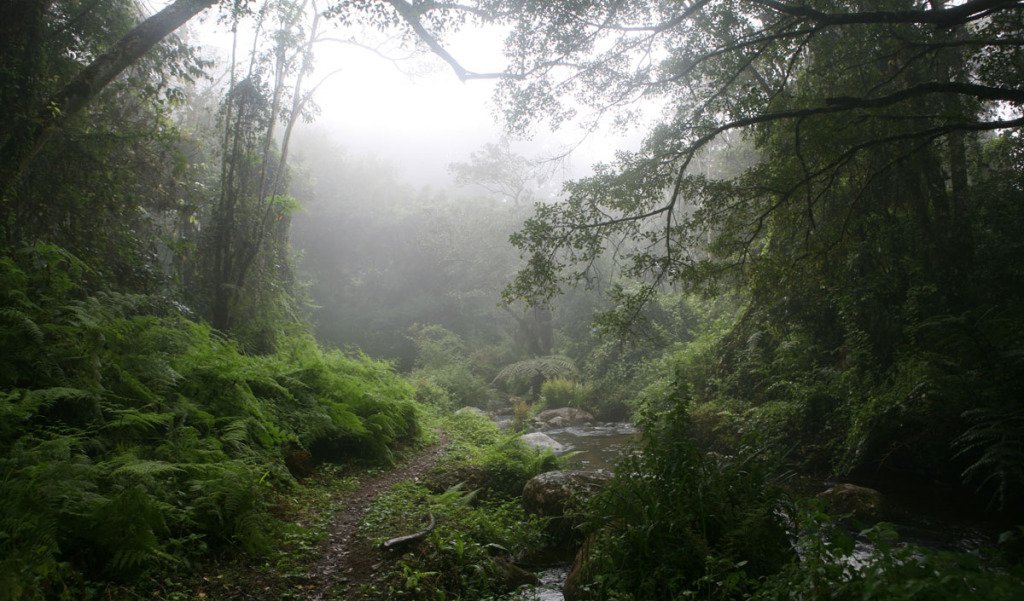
596 446
587 447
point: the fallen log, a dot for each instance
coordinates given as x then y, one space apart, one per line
399 541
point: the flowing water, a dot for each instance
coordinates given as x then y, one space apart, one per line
587 447
595 447
550 587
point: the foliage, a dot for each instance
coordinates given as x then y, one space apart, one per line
486 458
132 437
461 557
876 565
631 351
560 392
474 496
442 363
676 521
868 238
534 372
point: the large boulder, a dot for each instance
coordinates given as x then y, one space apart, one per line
540 440
861 502
558 495
566 416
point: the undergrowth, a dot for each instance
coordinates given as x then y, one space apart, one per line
876 564
474 495
132 437
483 457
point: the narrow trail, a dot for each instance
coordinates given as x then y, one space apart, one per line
348 561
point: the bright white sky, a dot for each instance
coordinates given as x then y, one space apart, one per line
416 113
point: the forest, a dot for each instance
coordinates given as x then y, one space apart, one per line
770 345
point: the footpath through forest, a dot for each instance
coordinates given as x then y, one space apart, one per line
349 561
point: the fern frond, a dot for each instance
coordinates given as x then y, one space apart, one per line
134 419
144 468
996 442
44 398
548 367
23 322
236 434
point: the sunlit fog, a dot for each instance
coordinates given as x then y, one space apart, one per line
383 97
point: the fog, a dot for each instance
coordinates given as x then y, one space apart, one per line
395 101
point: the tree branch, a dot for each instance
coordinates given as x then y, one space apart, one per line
946 17
18 151
978 91
411 15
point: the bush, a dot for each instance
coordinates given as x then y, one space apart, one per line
560 392
430 393
442 362
484 457
676 521
832 565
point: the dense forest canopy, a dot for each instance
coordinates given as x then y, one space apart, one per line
808 271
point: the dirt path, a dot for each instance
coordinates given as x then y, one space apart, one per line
349 562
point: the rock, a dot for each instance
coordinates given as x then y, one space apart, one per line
859 501
557 422
557 495
547 494
540 440
513 575
471 411
299 462
578 574
570 415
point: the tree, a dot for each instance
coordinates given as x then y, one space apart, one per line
535 371
504 174
34 126
870 237
891 79
246 249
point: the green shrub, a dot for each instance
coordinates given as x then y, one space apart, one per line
561 392
442 363
486 458
431 394
676 521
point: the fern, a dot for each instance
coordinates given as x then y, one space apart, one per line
22 322
552 366
126 428
236 434
141 469
35 401
996 441
134 420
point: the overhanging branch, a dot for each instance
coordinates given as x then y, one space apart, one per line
411 15
946 17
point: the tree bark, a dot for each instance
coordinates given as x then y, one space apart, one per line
77 94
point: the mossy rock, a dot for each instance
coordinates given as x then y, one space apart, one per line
861 502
